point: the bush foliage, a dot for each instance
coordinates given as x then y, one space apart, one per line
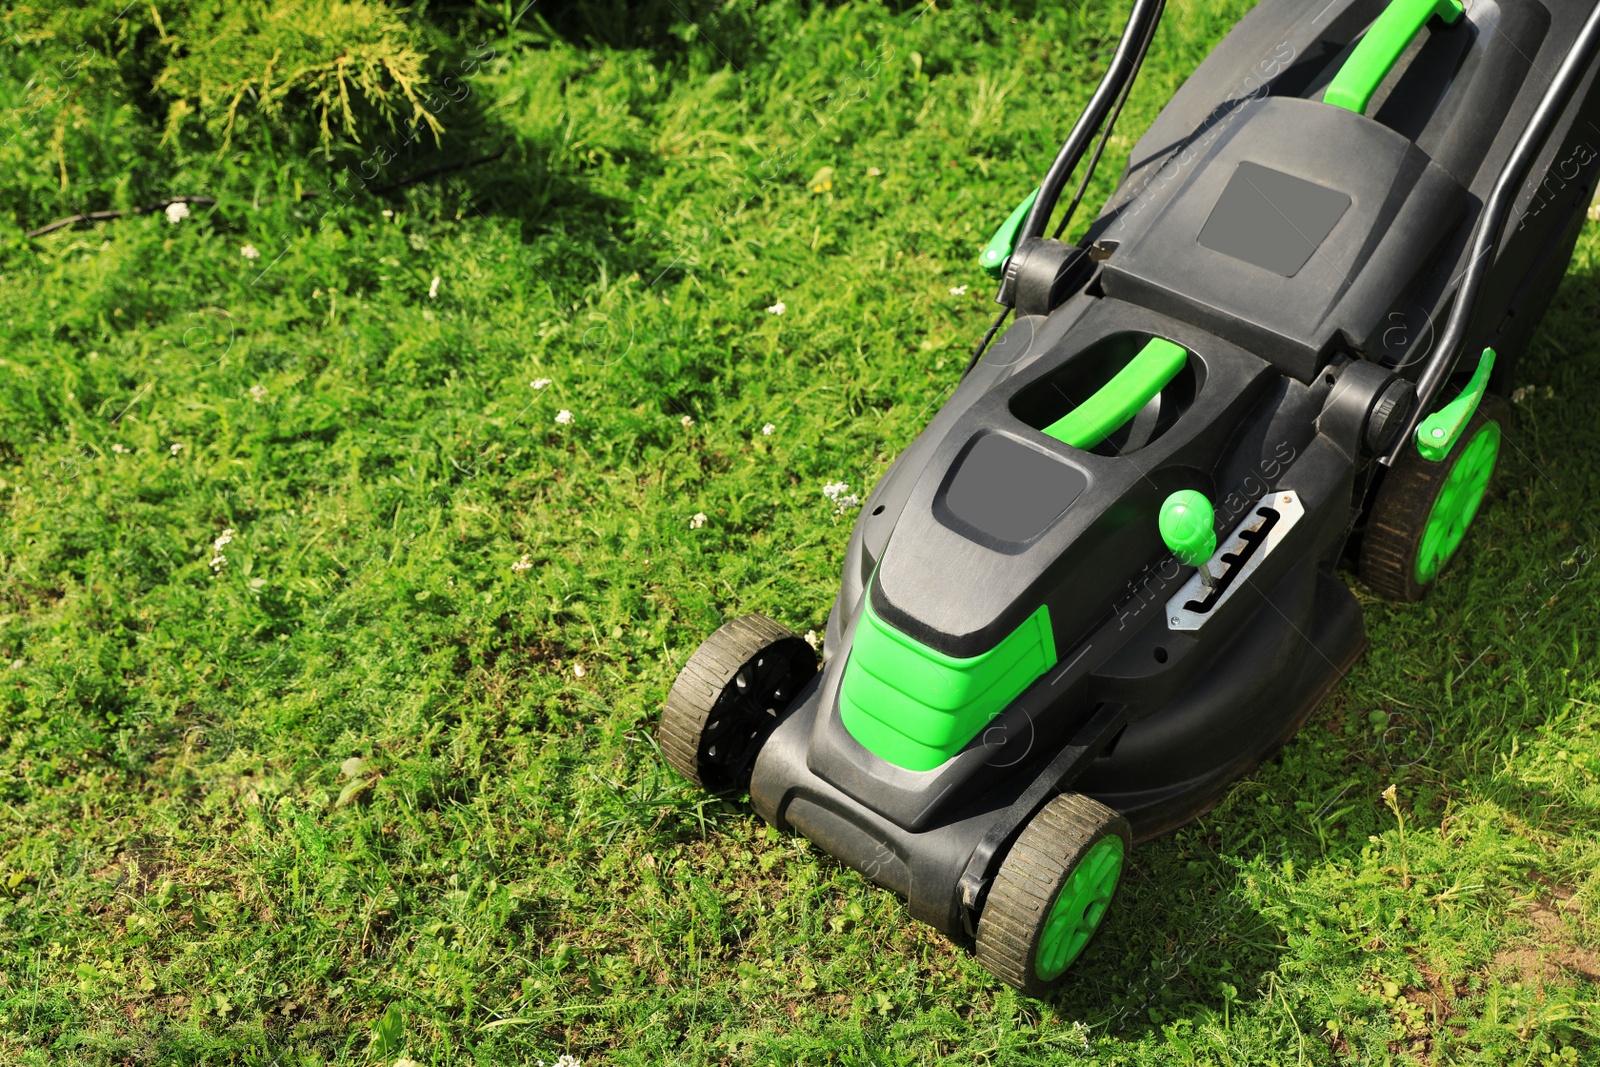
349 63
108 100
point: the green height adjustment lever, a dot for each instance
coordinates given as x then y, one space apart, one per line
998 250
1187 520
1438 433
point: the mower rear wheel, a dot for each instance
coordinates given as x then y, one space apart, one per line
1052 892
1423 510
728 699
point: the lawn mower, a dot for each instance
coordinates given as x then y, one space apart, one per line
1102 583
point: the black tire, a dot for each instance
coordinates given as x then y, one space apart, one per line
1393 538
1016 916
729 697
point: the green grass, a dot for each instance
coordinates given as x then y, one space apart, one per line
192 871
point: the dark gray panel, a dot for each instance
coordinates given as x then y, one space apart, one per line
1272 219
1009 491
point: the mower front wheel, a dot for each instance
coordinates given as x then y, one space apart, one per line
728 699
1052 892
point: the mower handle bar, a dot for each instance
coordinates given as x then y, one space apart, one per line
1124 66
1496 212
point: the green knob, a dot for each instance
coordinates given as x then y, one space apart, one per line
1187 522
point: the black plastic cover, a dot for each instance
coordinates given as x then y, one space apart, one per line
1305 159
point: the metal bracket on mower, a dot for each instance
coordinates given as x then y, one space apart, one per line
1273 516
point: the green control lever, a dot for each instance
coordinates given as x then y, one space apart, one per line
1376 55
1187 523
998 250
1438 433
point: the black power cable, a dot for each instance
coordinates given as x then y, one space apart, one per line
977 353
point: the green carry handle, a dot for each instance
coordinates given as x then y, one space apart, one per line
1375 56
1121 398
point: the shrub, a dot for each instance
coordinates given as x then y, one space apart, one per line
350 62
109 99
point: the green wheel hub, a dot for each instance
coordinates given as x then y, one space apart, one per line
1457 502
1079 907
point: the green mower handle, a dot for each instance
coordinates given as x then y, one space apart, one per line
1375 56
1114 403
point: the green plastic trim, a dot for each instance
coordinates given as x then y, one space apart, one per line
1436 434
1457 502
1079 907
998 250
915 707
1121 398
1375 56
1188 522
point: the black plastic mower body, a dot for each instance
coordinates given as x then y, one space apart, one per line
1298 253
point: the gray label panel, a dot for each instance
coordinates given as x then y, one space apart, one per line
1272 219
1010 491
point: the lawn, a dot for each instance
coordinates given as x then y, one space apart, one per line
356 523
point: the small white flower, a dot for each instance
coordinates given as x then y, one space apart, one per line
224 539
388 214
698 520
839 493
177 213
433 290
403 1061
539 383
258 393
812 639
768 430
119 450
687 422
175 449
564 417
250 252
778 309
958 290
522 564
873 172
577 669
